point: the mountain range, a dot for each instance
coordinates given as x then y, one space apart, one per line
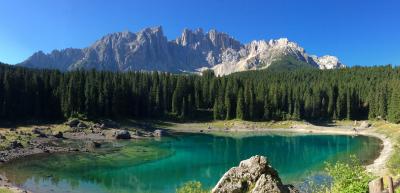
194 51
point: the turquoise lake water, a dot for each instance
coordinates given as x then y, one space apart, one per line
160 166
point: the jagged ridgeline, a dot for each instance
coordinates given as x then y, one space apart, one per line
193 51
304 93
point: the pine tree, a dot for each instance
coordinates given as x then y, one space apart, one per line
394 106
296 111
175 107
267 109
240 105
215 110
184 109
228 105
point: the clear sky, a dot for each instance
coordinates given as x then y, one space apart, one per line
359 32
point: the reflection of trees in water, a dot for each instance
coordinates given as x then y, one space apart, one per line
198 157
78 168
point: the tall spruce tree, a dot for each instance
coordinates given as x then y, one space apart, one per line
394 106
240 105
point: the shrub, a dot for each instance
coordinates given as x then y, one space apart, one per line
350 177
191 187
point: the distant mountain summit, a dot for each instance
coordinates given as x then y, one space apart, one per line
195 50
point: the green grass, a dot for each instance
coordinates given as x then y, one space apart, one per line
4 190
393 132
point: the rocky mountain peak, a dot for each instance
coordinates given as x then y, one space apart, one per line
152 31
222 40
191 38
149 49
211 40
328 62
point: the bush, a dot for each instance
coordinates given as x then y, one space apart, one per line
191 187
348 177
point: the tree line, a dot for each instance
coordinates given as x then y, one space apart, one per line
310 94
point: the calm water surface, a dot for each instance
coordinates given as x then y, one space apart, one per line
161 166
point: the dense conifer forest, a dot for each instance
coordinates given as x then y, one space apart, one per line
309 94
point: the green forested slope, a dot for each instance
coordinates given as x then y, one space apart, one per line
301 93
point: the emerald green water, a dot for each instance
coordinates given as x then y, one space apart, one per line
161 166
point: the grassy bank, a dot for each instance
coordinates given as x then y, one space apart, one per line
393 132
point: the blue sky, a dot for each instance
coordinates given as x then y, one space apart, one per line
359 32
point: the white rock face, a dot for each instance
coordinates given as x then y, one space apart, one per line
260 55
193 51
328 62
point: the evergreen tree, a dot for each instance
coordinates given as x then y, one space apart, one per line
240 105
184 110
394 106
228 105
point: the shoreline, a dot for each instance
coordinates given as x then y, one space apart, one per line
378 167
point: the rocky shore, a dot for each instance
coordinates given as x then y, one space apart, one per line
79 137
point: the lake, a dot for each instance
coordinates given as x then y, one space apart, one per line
160 166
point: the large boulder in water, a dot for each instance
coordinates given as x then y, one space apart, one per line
253 175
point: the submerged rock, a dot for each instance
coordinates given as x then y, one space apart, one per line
90 145
253 175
